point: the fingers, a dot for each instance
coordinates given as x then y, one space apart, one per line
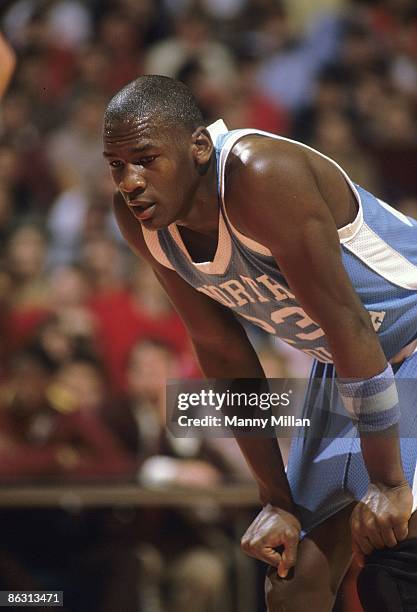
289 554
366 532
359 529
389 537
371 535
268 532
258 549
370 531
359 559
282 570
358 555
364 545
400 532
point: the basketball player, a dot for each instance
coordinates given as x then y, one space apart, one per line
246 224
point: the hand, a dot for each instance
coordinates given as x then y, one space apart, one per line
272 528
380 519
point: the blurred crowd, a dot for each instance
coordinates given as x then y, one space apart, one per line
87 335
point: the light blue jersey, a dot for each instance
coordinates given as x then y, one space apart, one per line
379 250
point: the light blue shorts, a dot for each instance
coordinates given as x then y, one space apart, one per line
325 468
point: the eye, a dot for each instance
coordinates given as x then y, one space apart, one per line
145 161
116 163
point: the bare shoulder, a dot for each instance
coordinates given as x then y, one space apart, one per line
268 176
255 158
265 178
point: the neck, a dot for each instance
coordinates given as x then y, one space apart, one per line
203 214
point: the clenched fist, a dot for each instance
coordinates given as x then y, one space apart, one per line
381 518
271 529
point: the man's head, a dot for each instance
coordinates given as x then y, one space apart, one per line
157 148
151 362
153 95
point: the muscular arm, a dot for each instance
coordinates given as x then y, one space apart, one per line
298 228
223 351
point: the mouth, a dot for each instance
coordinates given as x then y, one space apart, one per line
142 210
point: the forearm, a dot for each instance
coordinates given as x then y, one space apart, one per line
370 395
382 457
355 347
262 454
264 458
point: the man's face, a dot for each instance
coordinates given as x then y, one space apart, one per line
153 168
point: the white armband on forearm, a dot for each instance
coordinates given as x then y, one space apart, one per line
373 402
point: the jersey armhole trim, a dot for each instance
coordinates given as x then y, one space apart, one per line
346 233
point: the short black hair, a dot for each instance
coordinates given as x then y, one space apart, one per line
155 95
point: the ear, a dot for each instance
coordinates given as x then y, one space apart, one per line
202 146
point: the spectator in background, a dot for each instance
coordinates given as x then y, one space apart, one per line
31 183
28 285
193 40
359 52
94 68
192 569
74 155
243 104
329 95
89 448
334 136
53 310
365 95
121 41
53 339
394 22
289 65
26 420
69 302
74 151
394 145
77 216
52 423
104 265
151 362
46 67
69 23
137 310
65 325
53 429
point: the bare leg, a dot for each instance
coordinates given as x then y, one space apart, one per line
323 558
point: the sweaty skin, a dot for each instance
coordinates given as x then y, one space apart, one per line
292 202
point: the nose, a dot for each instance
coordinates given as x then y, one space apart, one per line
132 180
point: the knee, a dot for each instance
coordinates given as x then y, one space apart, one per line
295 593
